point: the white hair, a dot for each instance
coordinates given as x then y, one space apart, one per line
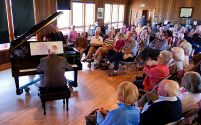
187 48
181 35
53 49
178 53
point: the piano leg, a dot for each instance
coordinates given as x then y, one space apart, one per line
75 78
18 90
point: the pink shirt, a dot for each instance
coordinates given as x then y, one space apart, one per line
154 74
188 99
119 44
73 35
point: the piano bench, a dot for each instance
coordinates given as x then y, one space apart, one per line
51 94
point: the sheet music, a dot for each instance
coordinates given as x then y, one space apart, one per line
41 48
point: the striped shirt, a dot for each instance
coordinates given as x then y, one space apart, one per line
109 43
159 44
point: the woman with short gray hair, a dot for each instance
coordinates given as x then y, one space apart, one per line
190 92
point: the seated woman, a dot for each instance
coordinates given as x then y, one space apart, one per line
190 92
187 52
177 67
155 71
126 113
72 36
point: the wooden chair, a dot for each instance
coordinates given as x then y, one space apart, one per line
52 93
188 118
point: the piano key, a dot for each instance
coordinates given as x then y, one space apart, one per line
27 70
74 65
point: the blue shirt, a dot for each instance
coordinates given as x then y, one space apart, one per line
123 115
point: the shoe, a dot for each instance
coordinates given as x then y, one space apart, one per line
89 65
84 60
108 62
96 66
71 83
90 60
113 73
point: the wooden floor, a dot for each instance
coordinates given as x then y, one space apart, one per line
95 89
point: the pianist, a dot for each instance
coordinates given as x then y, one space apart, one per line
53 67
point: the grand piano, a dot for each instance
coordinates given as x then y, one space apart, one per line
22 63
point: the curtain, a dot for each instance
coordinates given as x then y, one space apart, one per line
23 16
64 4
4 35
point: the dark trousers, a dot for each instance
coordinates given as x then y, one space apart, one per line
149 53
116 59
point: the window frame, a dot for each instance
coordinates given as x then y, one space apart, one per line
84 17
116 23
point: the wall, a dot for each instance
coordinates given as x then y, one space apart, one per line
168 9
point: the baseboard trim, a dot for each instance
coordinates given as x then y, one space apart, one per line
5 66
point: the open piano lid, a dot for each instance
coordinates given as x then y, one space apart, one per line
37 28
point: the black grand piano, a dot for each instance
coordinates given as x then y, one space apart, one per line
23 63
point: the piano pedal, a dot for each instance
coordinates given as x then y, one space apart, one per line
19 91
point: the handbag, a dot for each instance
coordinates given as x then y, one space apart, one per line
91 118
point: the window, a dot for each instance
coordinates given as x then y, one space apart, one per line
121 15
77 14
81 15
107 13
114 14
89 14
64 20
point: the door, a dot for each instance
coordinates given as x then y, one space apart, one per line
136 15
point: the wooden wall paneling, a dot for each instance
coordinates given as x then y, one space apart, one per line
168 9
197 10
43 9
5 56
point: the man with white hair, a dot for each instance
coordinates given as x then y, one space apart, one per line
53 67
166 109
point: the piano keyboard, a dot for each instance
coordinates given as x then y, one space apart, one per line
29 70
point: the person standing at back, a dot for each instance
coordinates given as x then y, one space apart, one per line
53 67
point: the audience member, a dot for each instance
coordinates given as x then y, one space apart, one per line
139 29
124 54
72 37
118 45
81 44
155 71
178 56
107 45
96 41
190 92
187 51
124 29
166 109
126 113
